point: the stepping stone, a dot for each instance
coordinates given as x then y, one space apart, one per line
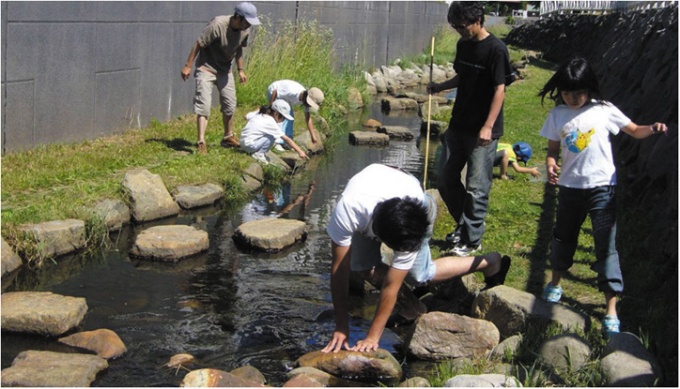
170 243
214 378
42 313
270 234
50 369
436 127
57 237
114 213
359 138
150 198
195 196
396 132
372 124
389 103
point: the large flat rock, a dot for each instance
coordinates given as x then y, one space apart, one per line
43 313
149 196
359 138
46 368
170 243
195 196
270 234
57 237
10 260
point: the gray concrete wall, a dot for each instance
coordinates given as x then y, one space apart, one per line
81 70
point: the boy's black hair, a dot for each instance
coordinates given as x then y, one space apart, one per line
574 74
400 223
265 109
466 11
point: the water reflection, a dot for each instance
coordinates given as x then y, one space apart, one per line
229 307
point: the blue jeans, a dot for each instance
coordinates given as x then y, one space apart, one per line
467 204
573 207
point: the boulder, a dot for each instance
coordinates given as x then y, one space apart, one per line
359 138
180 360
321 376
372 366
271 234
303 381
106 343
511 309
483 381
195 196
57 237
150 199
509 345
304 140
47 368
441 336
214 378
627 363
354 98
42 313
372 124
170 243
114 213
10 260
255 171
564 353
436 127
250 374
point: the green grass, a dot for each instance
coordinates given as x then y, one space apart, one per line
60 181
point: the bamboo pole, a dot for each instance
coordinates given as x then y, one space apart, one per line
429 114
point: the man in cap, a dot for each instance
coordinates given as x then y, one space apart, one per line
295 94
221 41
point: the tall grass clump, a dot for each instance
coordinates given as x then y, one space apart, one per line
302 52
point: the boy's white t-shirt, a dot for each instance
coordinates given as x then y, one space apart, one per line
258 126
287 90
587 159
354 210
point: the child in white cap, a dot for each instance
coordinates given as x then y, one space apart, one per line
296 94
262 130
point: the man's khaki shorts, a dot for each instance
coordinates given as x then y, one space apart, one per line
203 97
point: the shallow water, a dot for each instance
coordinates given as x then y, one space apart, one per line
227 307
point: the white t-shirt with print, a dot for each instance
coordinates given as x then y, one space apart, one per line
259 125
587 159
354 210
288 90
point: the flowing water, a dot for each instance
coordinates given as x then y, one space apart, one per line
227 307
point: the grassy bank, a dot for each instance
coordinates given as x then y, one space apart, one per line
53 182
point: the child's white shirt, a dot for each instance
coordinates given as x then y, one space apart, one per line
354 210
258 126
288 90
586 150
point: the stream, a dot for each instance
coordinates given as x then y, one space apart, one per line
227 307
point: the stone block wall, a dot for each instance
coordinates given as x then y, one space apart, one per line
81 70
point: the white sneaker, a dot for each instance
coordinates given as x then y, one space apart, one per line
463 250
260 157
279 148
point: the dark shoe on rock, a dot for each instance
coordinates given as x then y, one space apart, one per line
499 277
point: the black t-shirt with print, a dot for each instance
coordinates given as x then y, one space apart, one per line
481 66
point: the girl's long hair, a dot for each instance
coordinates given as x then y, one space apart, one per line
573 75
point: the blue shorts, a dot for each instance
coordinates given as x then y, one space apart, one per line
365 252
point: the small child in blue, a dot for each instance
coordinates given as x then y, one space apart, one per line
579 128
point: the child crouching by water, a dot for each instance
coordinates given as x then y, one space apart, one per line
262 130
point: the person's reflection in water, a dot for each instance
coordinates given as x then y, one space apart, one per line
300 199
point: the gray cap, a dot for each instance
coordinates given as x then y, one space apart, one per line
282 107
248 11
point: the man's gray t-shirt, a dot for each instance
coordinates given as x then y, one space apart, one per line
219 45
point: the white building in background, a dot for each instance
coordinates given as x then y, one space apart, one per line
568 7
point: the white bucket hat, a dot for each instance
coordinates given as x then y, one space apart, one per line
282 107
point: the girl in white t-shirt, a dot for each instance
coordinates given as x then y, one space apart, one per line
579 128
262 130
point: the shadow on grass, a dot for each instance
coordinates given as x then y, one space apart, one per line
177 144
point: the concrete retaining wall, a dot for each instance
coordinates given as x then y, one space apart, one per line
80 70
